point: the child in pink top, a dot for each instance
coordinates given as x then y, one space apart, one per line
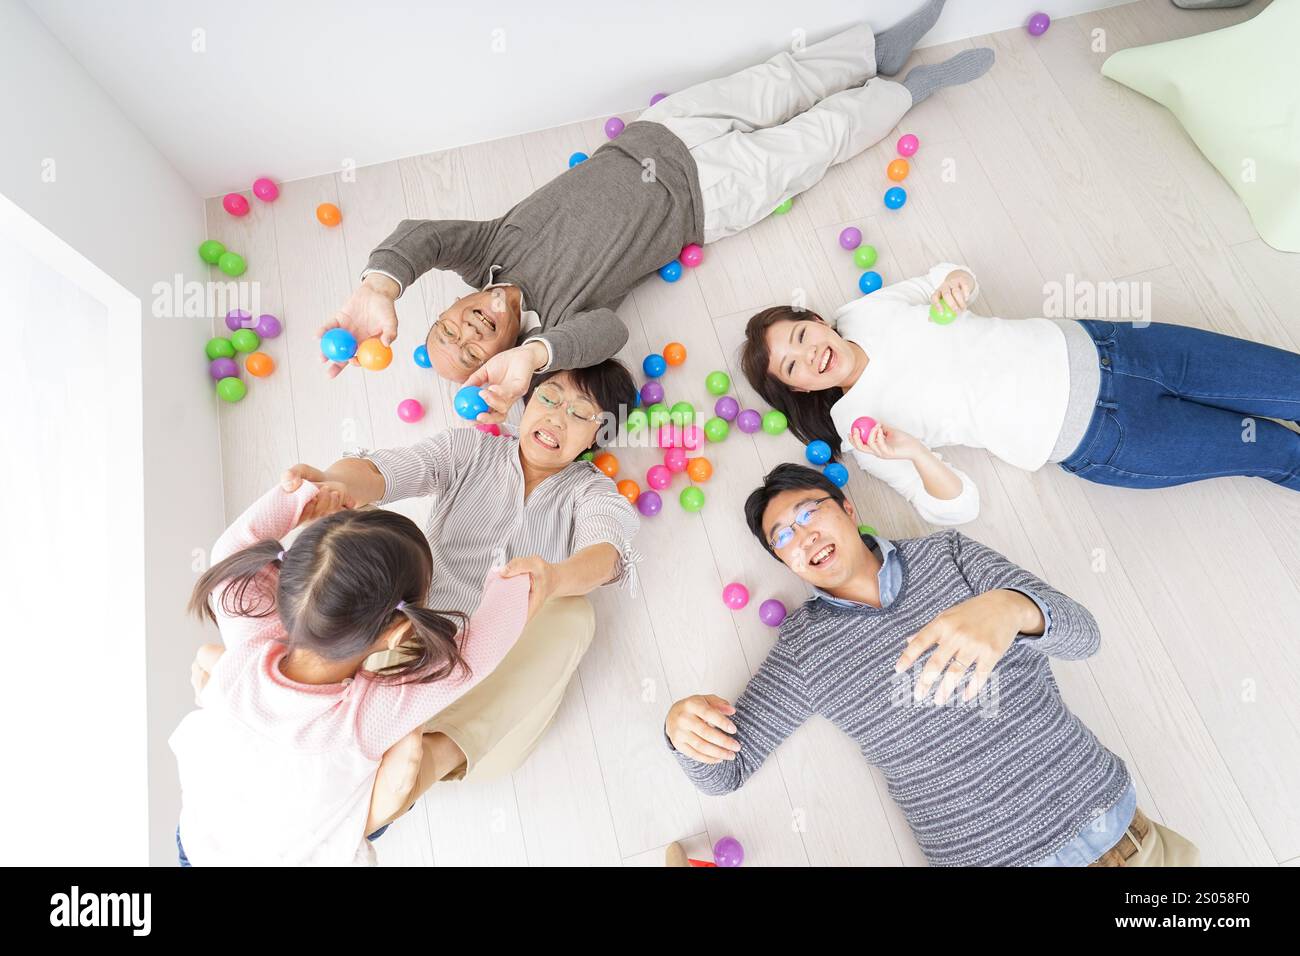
278 764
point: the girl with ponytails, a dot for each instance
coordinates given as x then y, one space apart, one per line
1118 403
279 764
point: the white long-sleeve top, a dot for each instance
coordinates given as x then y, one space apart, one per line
980 381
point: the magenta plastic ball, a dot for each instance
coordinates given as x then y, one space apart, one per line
728 852
749 421
675 460
488 428
692 437
235 204
850 238
223 368
410 410
236 318
651 392
265 189
771 612
658 477
268 326
863 425
657 97
614 126
726 408
691 256
908 144
649 503
735 595
669 437
1038 24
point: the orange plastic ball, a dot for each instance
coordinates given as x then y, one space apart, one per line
897 170
259 364
374 355
328 214
630 490
699 469
674 353
607 463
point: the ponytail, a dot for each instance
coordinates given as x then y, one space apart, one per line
239 571
431 650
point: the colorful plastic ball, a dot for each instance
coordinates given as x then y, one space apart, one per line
614 126
691 255
728 852
850 238
235 204
867 529
837 473
578 157
863 425
1038 24
942 313
421 357
784 208
674 353
774 422
869 282
338 345
232 264
245 340
587 456
409 410
749 421
659 477
864 257
683 413
668 436
735 595
657 97
895 197
489 428
231 389
692 437
219 347
652 393
236 318
630 490
726 408
637 420
699 470
716 429
329 214
259 364
265 189
223 368
268 326
771 612
897 170
469 403
374 355
818 452
671 272
675 460
658 415
649 503
908 145
606 463
654 365
718 383
210 251
691 498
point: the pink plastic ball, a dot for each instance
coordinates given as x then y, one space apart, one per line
735 595
908 144
771 612
614 126
657 97
692 255
692 437
236 318
265 189
658 477
410 410
669 437
235 204
851 238
863 425
1038 24
675 459
488 428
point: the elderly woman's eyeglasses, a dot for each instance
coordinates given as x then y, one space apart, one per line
579 409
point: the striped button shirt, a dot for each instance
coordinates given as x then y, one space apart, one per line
1006 779
479 519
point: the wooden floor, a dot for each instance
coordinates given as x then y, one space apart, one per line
1057 171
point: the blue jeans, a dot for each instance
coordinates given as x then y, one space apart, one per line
1178 404
185 861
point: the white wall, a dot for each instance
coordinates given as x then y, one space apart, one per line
117 200
293 89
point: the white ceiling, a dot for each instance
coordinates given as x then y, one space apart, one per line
292 89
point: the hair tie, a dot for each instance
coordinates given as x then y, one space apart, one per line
401 605
280 557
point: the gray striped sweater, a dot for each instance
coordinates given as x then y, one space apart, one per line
1006 779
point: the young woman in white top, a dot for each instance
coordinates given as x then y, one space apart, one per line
1140 406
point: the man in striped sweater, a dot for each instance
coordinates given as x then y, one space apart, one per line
931 653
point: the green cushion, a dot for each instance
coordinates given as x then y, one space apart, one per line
1237 93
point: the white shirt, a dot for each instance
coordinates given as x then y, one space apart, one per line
980 381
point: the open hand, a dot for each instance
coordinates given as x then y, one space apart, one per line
505 377
700 727
368 313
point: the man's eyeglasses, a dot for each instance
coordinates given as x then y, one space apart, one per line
785 534
580 409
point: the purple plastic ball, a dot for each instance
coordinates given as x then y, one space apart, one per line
771 612
268 326
1038 24
749 421
652 392
728 852
649 503
656 98
614 126
236 318
223 368
851 238
726 408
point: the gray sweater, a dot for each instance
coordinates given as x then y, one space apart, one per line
576 246
1007 779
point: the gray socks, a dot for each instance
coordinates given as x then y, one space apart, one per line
894 45
967 65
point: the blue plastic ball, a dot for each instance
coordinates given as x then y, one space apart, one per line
422 357
818 452
895 197
869 282
654 365
671 272
837 473
578 157
469 403
339 345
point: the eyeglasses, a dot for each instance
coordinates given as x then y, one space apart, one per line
785 534
471 355
581 410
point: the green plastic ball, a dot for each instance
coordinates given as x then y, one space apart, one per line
231 389
867 529
683 413
587 456
232 264
864 257
784 208
942 314
658 414
692 498
637 420
245 340
210 251
716 429
718 383
774 422
220 347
